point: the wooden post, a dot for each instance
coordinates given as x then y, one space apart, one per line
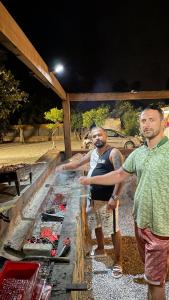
67 128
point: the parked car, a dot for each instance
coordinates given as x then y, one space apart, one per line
115 139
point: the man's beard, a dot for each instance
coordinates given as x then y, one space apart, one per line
150 134
100 144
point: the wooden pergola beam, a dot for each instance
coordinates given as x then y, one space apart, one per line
14 39
145 95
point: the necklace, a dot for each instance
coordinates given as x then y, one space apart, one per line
100 154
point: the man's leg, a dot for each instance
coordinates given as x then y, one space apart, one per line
94 223
117 271
154 251
100 240
117 243
156 292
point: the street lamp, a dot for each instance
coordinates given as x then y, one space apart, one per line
59 69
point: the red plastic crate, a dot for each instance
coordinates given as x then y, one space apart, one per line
42 291
17 280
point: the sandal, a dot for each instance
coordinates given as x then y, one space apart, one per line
117 271
93 253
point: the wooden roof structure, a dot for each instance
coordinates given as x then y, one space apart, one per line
14 39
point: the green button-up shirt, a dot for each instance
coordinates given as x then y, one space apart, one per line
151 200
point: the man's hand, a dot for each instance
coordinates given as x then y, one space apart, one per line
84 180
112 204
60 168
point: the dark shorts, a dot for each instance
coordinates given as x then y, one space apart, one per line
154 252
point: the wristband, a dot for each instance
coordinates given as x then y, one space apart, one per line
115 197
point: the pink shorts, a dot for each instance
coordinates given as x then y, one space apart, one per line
154 252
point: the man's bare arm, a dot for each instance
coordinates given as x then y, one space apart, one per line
108 179
74 164
117 160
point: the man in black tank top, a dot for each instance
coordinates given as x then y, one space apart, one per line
103 212
104 165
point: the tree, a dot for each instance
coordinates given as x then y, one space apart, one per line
33 111
56 116
101 114
11 97
88 118
120 108
131 124
21 133
76 123
95 116
128 116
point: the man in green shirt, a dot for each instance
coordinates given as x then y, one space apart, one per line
150 163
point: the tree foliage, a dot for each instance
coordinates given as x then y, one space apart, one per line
131 124
95 116
56 117
76 123
11 96
128 115
121 107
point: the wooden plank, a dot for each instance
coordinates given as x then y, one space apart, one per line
144 95
14 39
66 128
68 279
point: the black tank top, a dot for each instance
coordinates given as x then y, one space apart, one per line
104 166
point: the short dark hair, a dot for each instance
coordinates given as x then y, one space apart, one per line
154 107
98 127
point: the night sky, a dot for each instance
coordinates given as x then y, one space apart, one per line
106 47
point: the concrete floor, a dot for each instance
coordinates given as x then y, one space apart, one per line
13 153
